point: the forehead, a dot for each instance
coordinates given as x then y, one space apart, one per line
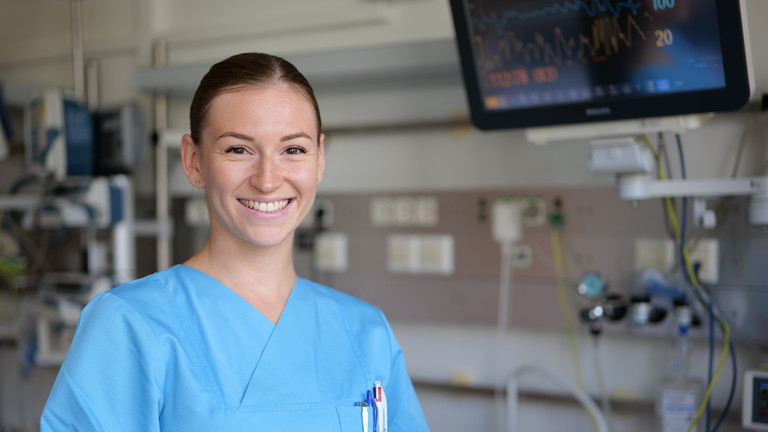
261 104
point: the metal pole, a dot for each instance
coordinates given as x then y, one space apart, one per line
162 198
124 235
78 62
92 84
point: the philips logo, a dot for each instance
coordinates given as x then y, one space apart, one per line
595 112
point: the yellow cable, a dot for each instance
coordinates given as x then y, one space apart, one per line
708 394
696 286
667 201
562 299
554 237
726 341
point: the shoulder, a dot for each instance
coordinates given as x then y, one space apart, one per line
366 324
154 292
349 305
150 285
141 302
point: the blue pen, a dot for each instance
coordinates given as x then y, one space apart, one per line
372 403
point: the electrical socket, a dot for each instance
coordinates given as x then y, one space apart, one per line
707 254
534 211
420 254
655 253
331 252
522 256
661 254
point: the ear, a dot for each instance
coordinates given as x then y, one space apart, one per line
321 158
190 160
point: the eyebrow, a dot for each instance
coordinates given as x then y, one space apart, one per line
294 136
250 138
235 135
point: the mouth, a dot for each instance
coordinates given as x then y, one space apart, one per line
265 207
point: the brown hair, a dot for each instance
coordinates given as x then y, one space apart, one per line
242 70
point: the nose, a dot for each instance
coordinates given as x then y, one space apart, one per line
267 174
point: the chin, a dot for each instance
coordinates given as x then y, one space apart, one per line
270 241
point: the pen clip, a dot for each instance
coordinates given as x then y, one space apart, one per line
365 414
381 404
369 400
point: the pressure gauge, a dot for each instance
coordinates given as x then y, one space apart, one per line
592 285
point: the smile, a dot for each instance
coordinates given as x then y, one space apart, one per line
269 207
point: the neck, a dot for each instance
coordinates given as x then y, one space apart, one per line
263 276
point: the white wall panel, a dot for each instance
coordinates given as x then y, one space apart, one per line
40 30
208 30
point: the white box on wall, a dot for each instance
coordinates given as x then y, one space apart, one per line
331 252
420 253
436 253
403 254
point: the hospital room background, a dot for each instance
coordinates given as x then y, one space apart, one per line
568 325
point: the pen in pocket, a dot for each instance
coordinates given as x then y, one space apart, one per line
365 414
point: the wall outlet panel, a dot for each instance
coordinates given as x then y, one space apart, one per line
403 254
382 212
535 211
436 253
426 211
654 253
522 256
600 233
331 253
706 253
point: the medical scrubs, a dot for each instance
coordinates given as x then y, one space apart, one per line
178 351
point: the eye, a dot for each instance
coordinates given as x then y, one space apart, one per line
235 150
296 150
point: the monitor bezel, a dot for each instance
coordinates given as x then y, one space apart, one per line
733 96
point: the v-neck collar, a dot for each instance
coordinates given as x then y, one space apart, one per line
309 357
249 363
228 335
223 290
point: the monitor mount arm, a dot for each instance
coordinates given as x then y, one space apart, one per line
632 163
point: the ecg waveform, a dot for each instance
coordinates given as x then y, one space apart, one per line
607 37
590 7
531 53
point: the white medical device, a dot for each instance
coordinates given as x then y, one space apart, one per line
59 134
754 411
120 139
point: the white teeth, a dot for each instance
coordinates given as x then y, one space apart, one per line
265 207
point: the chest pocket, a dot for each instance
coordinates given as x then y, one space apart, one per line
351 418
294 417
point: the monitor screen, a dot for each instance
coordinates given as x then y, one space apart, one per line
533 63
760 400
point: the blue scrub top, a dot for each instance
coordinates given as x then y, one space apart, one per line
178 350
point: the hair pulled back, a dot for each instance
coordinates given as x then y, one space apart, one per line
240 71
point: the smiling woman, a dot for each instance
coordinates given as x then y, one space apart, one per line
233 339
260 145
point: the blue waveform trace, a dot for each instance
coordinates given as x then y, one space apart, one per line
591 7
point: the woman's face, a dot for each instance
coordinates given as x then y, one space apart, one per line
260 161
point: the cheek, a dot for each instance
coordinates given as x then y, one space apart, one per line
220 176
308 180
